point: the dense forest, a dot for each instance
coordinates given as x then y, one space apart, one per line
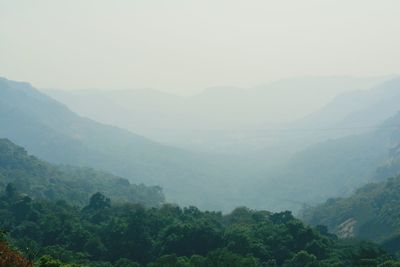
68 216
54 233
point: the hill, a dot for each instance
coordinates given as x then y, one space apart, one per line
41 180
334 168
374 209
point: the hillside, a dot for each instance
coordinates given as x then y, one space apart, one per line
329 153
334 168
374 208
10 257
41 180
50 131
352 112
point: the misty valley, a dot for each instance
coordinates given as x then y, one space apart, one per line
212 133
78 189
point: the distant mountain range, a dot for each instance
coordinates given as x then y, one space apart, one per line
221 119
345 144
367 152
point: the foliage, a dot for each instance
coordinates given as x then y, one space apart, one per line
105 234
11 258
374 208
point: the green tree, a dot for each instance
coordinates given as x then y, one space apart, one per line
302 259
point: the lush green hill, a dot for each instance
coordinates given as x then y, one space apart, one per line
42 180
125 235
374 210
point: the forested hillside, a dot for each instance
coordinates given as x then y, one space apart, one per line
47 213
127 235
41 180
374 210
9 257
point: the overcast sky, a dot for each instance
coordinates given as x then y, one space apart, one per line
184 45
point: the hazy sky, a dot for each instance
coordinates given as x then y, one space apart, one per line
180 45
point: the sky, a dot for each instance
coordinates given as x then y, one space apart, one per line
182 46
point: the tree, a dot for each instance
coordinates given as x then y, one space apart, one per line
12 258
95 248
302 259
11 191
98 202
126 263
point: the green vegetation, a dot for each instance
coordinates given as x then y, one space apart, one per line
42 180
10 257
65 216
375 209
106 234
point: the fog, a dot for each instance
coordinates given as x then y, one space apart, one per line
252 91
219 119
199 133
185 46
208 75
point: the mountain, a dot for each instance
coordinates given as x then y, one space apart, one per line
333 168
353 112
219 119
41 180
360 144
49 130
332 150
349 114
270 178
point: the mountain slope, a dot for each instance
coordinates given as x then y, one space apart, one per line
42 180
355 112
52 132
335 149
374 208
334 168
352 113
